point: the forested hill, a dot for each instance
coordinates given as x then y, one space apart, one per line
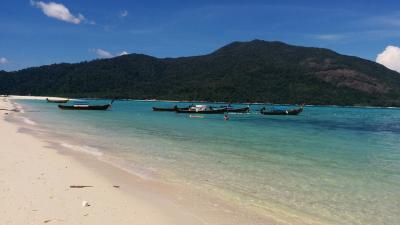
255 71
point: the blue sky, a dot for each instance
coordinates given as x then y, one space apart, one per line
35 33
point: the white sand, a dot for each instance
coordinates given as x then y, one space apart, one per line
35 188
35 180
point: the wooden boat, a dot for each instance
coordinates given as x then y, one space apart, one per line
85 107
290 112
173 109
202 109
208 111
57 100
238 110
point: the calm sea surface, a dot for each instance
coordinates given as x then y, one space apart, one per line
329 165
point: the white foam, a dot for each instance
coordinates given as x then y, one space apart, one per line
19 107
83 148
28 121
143 173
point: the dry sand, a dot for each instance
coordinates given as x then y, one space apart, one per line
35 188
36 176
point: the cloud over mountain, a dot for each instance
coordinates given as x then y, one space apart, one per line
390 58
106 54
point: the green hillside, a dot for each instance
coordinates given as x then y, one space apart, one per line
255 71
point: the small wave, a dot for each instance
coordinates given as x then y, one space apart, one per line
83 148
143 173
28 121
18 107
123 163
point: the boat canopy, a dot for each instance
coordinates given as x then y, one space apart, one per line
199 108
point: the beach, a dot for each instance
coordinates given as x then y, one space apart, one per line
36 180
199 113
129 165
40 182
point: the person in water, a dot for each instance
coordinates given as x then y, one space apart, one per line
226 117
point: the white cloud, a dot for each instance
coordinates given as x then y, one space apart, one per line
329 37
60 12
106 54
103 53
3 61
390 58
123 13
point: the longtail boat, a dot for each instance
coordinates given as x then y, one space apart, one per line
280 112
57 100
85 107
207 111
173 109
238 110
202 109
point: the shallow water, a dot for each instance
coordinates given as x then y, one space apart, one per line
329 165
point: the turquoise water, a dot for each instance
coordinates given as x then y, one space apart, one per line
329 165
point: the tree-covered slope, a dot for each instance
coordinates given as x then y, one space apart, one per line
256 71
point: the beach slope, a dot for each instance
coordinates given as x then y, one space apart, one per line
37 187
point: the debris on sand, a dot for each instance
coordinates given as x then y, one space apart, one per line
79 186
85 204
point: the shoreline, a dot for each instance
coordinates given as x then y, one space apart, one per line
21 97
36 182
158 203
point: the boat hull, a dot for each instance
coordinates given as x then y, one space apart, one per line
213 111
240 110
157 109
84 107
57 101
292 112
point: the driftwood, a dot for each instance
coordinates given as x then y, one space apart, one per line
11 110
79 186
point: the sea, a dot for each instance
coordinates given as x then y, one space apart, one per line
328 165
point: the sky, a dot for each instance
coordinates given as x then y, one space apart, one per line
34 33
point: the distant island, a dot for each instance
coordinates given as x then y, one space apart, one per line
255 71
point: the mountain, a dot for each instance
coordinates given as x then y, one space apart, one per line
255 71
